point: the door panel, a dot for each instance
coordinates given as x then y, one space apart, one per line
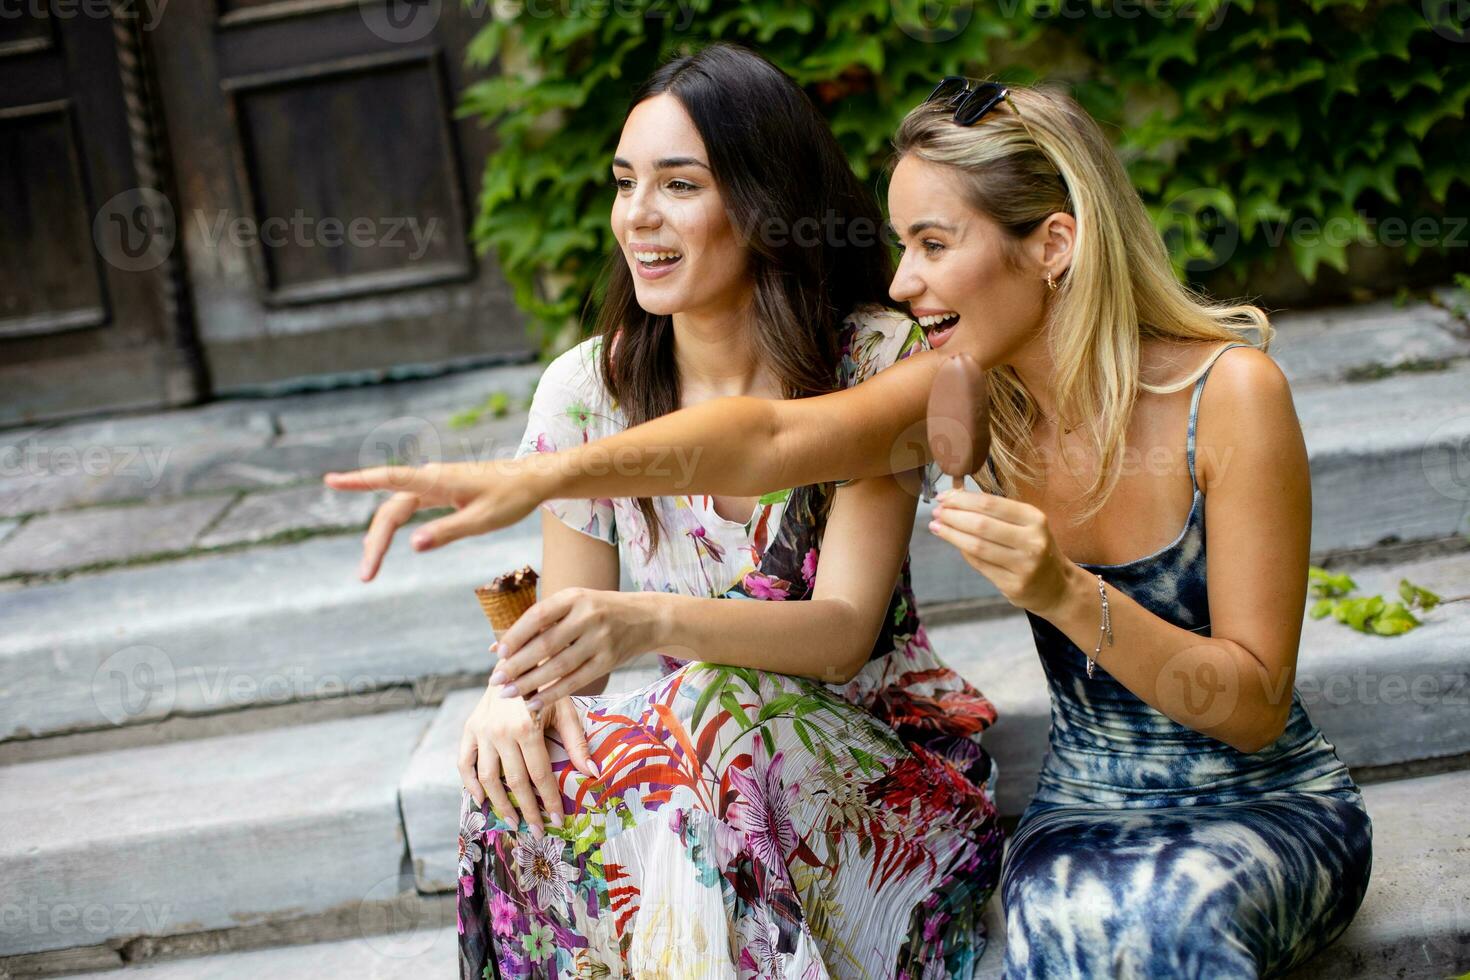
85 319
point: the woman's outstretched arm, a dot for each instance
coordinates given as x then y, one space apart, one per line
741 446
748 446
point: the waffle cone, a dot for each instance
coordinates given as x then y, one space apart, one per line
504 608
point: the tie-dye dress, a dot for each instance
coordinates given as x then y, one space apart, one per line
745 824
1152 850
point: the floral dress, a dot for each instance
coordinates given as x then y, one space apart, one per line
745 824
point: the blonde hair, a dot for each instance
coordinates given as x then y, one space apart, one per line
1036 154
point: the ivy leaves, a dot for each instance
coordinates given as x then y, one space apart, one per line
1258 132
1367 614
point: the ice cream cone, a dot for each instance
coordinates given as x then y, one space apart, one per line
507 597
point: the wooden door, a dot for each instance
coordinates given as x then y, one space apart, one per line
89 314
324 188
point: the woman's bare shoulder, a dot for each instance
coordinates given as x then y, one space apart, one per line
1246 406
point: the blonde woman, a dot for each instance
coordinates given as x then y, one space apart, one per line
1191 821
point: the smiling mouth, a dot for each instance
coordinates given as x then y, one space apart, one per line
657 260
939 322
939 327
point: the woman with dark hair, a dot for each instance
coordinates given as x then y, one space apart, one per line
802 794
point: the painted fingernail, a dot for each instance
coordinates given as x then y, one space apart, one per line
933 525
556 820
498 677
509 691
419 541
534 704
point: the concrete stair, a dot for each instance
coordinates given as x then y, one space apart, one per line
1410 925
203 834
267 757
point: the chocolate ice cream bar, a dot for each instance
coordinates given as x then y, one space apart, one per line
959 417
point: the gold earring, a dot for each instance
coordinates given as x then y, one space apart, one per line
1049 284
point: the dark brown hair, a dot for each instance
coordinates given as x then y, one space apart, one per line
777 166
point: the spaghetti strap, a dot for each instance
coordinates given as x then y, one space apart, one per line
1199 387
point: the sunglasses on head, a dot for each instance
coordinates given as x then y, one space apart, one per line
970 104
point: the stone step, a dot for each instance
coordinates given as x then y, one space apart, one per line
253 444
1414 921
1317 348
206 834
411 955
245 630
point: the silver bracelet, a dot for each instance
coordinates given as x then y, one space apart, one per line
1107 628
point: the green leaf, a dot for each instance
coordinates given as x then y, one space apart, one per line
1357 612
1321 607
1308 254
778 705
711 690
806 740
1393 620
1418 597
728 702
